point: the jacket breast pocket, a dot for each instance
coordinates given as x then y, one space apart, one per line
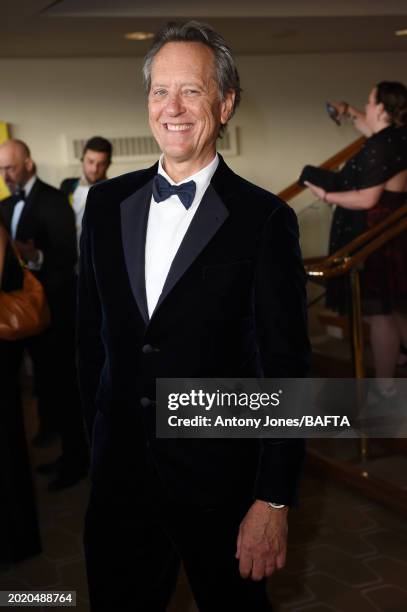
229 278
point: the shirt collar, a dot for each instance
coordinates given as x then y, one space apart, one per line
29 185
201 178
83 182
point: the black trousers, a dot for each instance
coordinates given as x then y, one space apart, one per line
19 530
135 541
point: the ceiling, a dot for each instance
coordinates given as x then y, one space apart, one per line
96 28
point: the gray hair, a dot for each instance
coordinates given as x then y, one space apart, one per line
193 31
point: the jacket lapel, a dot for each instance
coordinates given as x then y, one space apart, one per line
24 224
209 217
8 208
134 216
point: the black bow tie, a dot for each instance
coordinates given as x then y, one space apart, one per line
18 196
162 190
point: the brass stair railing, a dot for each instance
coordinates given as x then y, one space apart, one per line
331 163
348 260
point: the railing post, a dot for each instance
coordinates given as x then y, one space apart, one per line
356 325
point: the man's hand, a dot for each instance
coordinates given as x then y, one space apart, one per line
262 541
27 250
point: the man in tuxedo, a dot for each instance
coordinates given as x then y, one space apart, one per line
41 222
96 159
202 277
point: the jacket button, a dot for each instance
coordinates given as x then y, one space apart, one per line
147 349
145 402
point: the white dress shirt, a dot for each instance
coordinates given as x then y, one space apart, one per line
15 219
78 204
168 222
18 207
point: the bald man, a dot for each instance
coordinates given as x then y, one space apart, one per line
42 223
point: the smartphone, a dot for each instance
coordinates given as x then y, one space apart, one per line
333 113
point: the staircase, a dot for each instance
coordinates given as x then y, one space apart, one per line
376 468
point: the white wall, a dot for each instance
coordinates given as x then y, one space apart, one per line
282 121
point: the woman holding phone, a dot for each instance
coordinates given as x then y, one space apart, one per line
371 186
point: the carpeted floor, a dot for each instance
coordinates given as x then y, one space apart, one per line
346 554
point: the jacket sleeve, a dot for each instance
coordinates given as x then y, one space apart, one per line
281 327
91 354
68 186
64 186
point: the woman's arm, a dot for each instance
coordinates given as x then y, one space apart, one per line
356 199
3 244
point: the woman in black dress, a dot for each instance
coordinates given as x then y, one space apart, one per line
371 186
19 534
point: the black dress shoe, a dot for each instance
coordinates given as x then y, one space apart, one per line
49 468
67 478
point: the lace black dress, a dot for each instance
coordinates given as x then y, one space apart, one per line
19 534
384 277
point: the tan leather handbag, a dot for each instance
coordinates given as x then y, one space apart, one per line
24 312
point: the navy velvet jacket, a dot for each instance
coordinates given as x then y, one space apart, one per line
233 305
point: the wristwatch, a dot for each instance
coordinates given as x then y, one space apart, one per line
276 506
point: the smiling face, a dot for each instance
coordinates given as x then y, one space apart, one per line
185 107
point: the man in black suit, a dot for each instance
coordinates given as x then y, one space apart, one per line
40 220
96 159
202 277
